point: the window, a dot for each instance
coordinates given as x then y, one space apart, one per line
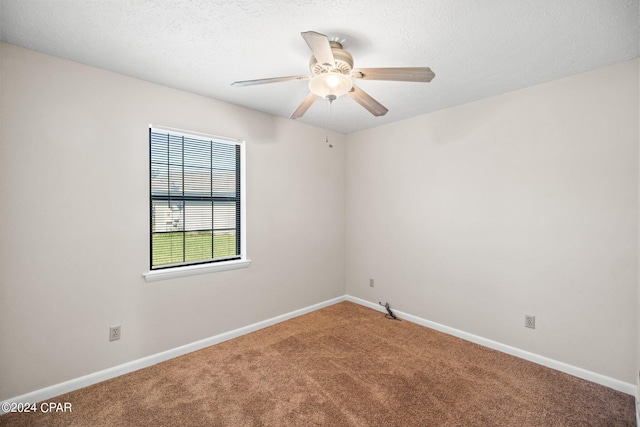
196 199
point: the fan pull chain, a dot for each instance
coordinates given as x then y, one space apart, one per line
329 124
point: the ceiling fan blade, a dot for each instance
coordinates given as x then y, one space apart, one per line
401 74
271 80
319 45
304 106
364 99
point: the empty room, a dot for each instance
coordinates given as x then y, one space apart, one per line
289 213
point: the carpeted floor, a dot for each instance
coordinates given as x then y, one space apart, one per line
344 365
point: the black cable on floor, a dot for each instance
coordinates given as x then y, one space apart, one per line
389 314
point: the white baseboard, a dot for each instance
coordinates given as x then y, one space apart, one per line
638 402
106 374
125 368
532 357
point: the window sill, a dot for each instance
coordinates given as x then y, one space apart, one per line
192 270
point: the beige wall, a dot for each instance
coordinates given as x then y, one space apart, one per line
524 203
74 154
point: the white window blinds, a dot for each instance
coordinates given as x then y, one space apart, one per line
195 199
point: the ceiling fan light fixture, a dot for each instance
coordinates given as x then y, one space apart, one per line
330 85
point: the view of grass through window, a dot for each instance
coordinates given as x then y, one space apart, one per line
169 248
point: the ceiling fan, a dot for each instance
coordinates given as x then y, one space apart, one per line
333 73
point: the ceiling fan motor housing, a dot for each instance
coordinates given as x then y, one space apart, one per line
343 61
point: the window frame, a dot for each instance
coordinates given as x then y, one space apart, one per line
201 266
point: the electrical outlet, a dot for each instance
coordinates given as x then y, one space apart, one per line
529 321
371 284
114 333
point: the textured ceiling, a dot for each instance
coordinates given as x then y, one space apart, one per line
477 48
